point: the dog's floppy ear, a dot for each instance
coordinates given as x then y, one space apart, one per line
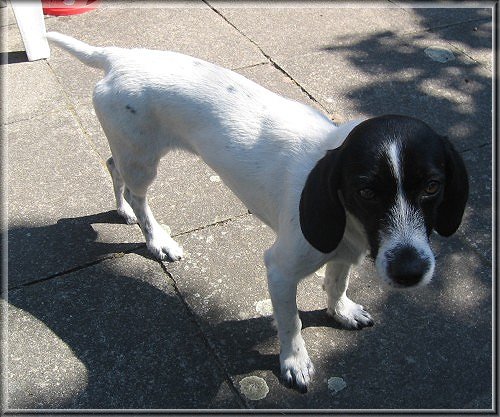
456 192
322 215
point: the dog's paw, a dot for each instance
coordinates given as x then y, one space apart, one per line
297 370
128 214
350 315
164 248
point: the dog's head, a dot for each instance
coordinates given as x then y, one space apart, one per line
400 180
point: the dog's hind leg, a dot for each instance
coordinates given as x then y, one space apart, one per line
345 311
158 241
138 174
122 194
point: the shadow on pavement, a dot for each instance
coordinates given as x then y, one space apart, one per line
454 97
141 350
42 251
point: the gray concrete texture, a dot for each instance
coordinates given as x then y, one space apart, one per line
95 323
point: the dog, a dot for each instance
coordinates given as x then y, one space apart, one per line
332 194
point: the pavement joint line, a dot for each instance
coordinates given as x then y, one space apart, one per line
407 8
216 223
244 67
71 107
206 340
476 147
479 19
443 26
117 255
268 57
34 116
77 268
461 51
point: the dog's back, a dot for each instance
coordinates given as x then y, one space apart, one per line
152 101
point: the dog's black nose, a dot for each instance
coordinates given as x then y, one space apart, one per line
406 267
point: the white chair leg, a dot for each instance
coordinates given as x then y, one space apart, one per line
29 17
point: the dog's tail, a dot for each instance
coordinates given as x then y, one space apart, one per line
89 55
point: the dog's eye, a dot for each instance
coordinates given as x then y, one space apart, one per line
367 193
432 187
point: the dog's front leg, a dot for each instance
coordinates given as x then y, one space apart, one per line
349 314
296 367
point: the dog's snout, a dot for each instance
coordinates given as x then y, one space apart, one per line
407 267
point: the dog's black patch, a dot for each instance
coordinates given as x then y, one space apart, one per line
131 109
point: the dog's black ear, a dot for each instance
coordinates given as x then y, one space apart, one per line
456 192
322 215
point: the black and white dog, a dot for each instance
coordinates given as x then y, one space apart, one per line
331 193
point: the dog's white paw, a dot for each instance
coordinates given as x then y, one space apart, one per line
128 214
350 315
297 369
164 248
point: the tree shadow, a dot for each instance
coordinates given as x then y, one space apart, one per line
42 251
141 349
469 26
139 346
429 348
454 97
133 339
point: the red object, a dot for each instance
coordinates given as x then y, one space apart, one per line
68 7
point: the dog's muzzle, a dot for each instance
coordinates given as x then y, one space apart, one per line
406 266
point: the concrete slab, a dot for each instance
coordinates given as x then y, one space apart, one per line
387 74
292 30
188 195
442 332
473 38
477 227
443 15
164 28
32 90
114 335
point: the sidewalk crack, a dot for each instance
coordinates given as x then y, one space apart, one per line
116 255
269 58
74 269
206 340
72 109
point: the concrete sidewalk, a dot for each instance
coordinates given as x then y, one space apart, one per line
95 323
